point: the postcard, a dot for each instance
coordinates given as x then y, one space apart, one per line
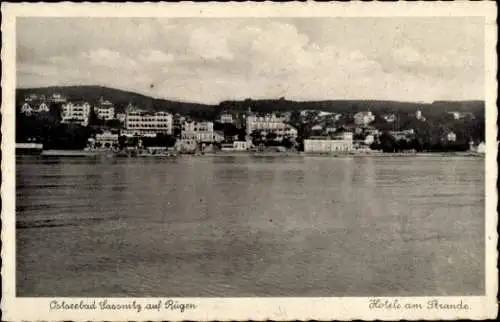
249 161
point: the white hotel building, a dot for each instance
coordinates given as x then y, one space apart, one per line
270 123
339 143
200 132
76 112
148 123
105 110
106 139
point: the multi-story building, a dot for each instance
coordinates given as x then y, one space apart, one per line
200 131
341 143
267 123
77 112
105 110
106 139
178 121
364 118
343 136
43 108
34 108
57 98
138 122
226 118
270 123
288 131
30 98
105 113
26 109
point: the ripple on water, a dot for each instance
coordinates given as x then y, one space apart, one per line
250 227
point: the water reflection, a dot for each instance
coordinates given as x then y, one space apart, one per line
245 226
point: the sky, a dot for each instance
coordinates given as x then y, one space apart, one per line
208 60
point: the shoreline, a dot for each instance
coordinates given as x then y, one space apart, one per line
342 155
79 153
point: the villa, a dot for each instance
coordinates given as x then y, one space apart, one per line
77 112
364 118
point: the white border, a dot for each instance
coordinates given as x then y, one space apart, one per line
340 308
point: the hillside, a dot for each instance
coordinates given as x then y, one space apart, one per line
353 106
122 98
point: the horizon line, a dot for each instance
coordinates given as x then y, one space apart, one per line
180 100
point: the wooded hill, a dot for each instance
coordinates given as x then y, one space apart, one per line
206 111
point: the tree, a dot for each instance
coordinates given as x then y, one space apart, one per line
177 132
55 110
300 143
230 130
417 144
114 124
387 143
401 145
295 118
241 135
165 140
359 136
287 143
256 136
93 118
122 140
271 136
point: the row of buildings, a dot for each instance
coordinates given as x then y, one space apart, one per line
42 98
79 112
149 124
71 111
138 122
